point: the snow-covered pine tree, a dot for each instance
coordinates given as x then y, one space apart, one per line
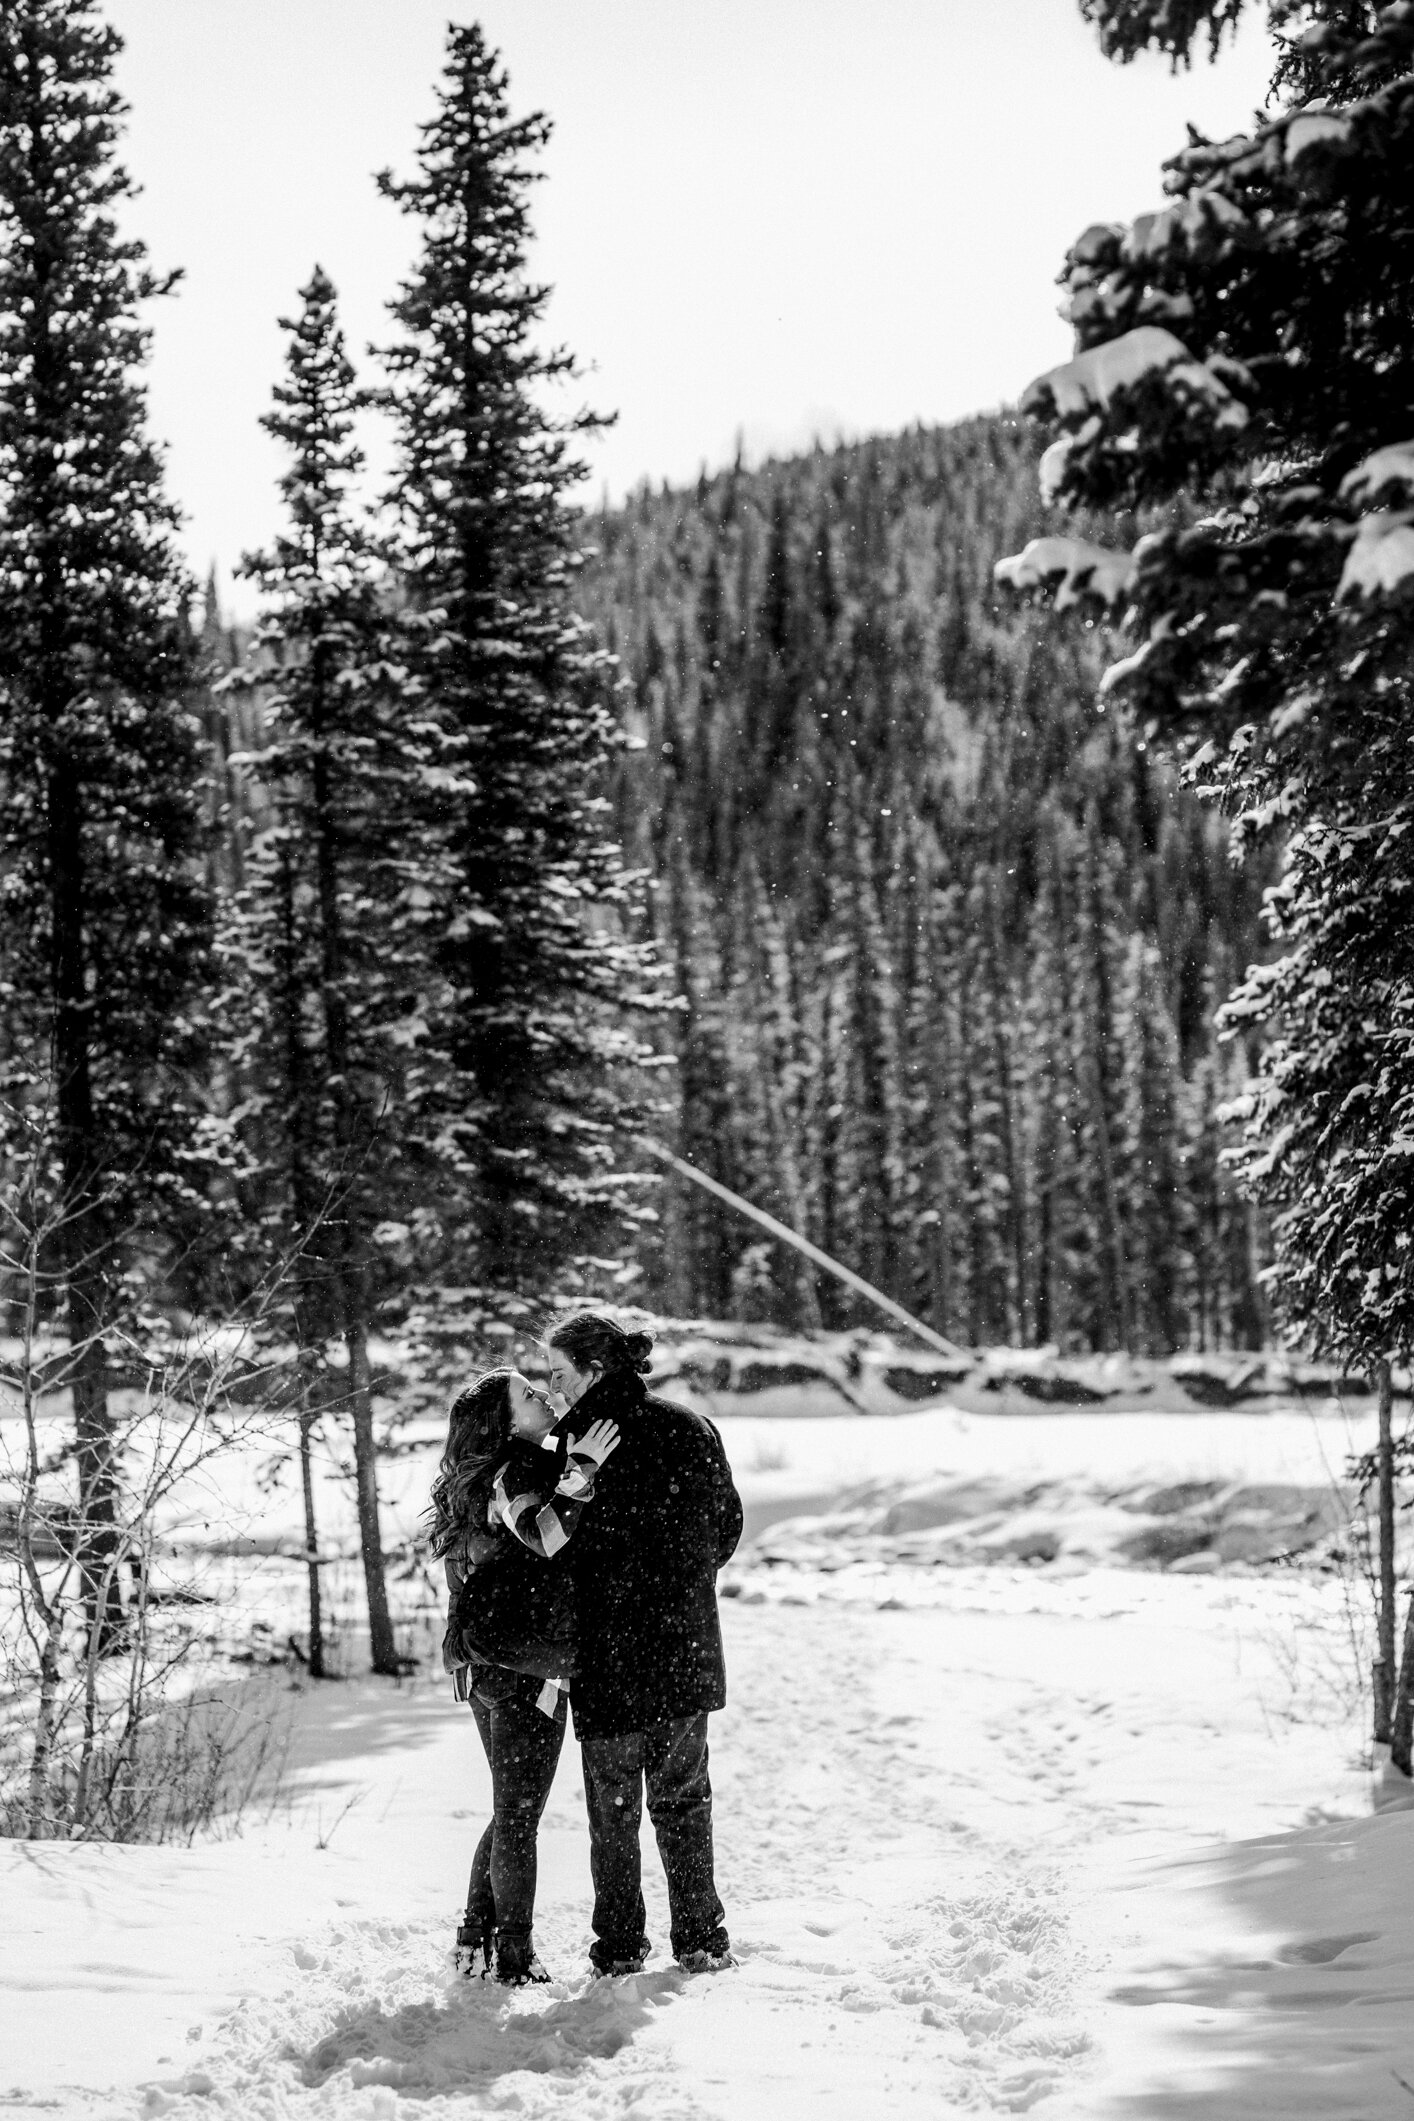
993 1178
1253 341
780 1083
104 935
699 1235
1273 636
531 904
1150 1146
320 959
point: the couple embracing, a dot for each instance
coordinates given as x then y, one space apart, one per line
582 1549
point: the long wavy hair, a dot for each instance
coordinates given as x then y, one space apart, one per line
478 1431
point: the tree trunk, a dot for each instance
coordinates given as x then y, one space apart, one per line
1402 1719
1016 1304
49 1610
832 1208
1384 1673
82 1237
1045 1214
97 1518
308 1335
776 1040
46 1723
1119 1320
353 1283
941 1161
307 1418
380 1626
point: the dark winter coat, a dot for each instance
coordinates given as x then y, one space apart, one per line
644 1564
511 1604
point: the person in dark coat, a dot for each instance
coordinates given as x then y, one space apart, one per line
649 1643
502 1512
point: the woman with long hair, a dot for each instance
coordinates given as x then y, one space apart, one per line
502 1511
649 1645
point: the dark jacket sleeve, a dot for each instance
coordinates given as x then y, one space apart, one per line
726 1502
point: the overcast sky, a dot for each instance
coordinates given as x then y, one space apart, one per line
778 218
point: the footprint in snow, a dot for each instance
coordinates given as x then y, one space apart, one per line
1319 1951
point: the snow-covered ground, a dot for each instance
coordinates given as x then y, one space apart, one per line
1062 1836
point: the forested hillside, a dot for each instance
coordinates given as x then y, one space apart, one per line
949 941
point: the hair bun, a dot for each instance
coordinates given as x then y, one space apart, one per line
639 1349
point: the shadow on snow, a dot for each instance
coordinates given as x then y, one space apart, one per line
479 2032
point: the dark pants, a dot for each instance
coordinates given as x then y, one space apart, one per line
671 1758
523 1747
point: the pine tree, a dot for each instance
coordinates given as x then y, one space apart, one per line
698 1239
103 941
320 956
1151 1148
532 907
1273 635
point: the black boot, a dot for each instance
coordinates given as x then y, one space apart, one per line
516 1963
471 1954
606 1960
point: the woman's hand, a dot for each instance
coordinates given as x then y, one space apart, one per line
598 1440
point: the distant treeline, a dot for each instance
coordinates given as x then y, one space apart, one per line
948 939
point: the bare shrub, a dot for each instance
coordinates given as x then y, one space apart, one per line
110 1727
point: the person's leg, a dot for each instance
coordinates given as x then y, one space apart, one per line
680 1807
525 1750
479 1924
613 1797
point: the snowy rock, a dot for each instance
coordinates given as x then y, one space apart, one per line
1215 1383
1272 1499
1033 1542
1264 1540
1259 1523
1166 1543
712 1372
1048 1379
1314 1380
1205 1562
763 1373
791 1376
952 1502
920 1378
1177 1495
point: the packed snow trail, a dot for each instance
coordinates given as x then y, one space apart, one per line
962 1850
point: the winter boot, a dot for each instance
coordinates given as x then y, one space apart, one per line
607 1962
703 1962
712 1956
471 1954
516 1963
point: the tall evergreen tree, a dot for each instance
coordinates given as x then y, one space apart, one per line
1273 636
319 954
104 931
532 908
